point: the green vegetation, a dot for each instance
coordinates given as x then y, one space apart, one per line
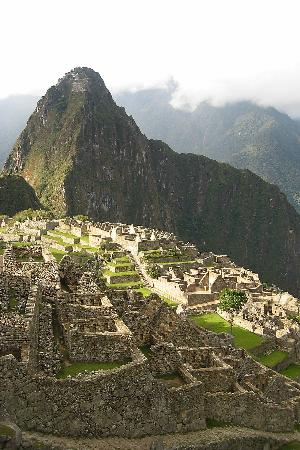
169 302
273 358
128 285
145 349
146 292
79 367
16 195
212 423
174 263
242 338
58 254
292 371
13 303
291 446
32 214
81 218
151 256
22 244
123 259
232 301
124 264
153 270
120 274
88 248
63 234
56 239
6 430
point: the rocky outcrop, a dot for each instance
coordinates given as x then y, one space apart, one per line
84 155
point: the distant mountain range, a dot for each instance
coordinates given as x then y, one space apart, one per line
243 134
84 155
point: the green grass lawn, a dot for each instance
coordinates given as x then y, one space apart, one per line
273 358
56 239
87 248
30 258
120 274
292 371
175 263
168 301
22 244
242 338
58 254
85 239
64 234
125 265
79 367
6 430
123 259
146 292
128 285
145 349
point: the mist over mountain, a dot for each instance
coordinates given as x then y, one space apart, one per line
243 134
14 113
84 155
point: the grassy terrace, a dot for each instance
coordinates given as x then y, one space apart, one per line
64 234
120 274
124 286
273 358
22 244
79 367
58 254
124 264
173 263
88 248
292 371
56 239
242 338
121 260
145 291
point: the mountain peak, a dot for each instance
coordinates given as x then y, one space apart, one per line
84 155
81 79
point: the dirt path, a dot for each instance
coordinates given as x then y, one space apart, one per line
234 438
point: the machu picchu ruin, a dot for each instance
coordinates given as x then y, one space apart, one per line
117 330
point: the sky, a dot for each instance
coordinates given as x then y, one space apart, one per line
216 50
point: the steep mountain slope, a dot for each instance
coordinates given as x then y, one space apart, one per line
16 195
83 154
243 134
14 113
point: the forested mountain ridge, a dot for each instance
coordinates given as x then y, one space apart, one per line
243 134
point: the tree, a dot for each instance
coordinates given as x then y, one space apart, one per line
232 301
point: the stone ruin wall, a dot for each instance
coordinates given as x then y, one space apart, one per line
98 347
123 402
127 402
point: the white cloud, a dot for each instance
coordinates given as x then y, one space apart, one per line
217 50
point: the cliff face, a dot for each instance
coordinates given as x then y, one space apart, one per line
84 155
16 195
